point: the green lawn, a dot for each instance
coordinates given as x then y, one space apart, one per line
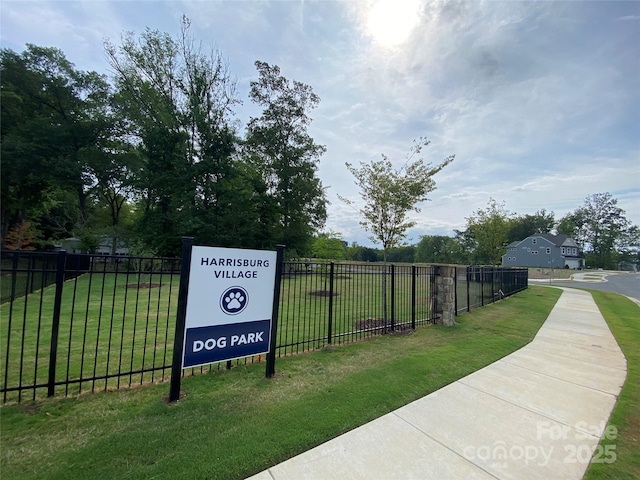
233 423
107 329
623 317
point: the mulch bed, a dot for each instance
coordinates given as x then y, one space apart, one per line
322 293
141 285
373 323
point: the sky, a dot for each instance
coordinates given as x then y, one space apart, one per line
538 101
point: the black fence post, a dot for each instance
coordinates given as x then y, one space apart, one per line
468 287
393 297
55 327
413 296
455 291
178 339
482 286
271 354
493 284
330 326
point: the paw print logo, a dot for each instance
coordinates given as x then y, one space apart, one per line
234 300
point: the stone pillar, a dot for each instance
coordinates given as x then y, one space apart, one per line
445 294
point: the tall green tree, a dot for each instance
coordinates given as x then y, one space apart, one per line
286 157
628 249
329 246
179 100
402 254
54 121
113 195
360 253
487 233
439 249
601 229
523 226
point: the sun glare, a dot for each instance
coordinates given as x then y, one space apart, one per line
391 21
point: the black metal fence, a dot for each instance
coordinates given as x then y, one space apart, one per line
77 323
477 286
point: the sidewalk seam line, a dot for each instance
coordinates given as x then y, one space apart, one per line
577 359
445 446
559 379
524 408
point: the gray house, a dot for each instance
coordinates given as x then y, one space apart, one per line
73 245
544 250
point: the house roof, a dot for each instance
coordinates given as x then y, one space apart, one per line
557 240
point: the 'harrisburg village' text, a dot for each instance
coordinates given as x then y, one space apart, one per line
235 262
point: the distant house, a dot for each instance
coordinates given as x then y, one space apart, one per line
544 250
104 247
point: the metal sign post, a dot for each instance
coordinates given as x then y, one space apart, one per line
271 356
176 370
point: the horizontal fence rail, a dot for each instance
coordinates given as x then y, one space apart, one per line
76 323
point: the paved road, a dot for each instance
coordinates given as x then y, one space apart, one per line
624 283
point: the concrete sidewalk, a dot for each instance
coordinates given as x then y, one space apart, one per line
538 413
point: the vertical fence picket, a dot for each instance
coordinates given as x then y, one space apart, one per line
413 296
14 277
330 312
71 324
393 297
42 277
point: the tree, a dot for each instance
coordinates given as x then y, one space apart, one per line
439 249
389 194
328 246
402 254
522 227
21 237
601 229
285 156
54 120
178 101
628 252
359 253
487 233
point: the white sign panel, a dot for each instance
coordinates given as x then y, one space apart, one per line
229 304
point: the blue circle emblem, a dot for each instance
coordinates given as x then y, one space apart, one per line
234 300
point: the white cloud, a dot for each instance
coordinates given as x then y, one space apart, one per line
540 101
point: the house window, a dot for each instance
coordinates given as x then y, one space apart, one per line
564 251
534 241
534 252
574 251
548 249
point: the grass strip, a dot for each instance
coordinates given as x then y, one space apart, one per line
623 317
234 423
